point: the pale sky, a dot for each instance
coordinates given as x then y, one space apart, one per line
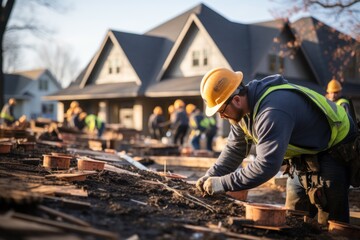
84 26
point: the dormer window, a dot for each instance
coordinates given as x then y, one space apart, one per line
276 64
195 58
109 67
43 85
205 57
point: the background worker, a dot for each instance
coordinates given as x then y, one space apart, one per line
196 129
334 93
154 123
180 122
7 112
93 122
70 113
303 129
209 123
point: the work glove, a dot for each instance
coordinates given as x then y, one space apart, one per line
213 185
200 183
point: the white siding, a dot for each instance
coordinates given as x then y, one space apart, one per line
182 63
32 108
121 69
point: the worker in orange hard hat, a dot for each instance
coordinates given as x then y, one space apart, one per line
302 128
154 123
180 122
334 93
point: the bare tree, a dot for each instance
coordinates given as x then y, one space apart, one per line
344 14
10 26
59 59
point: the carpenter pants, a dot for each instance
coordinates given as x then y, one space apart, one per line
334 178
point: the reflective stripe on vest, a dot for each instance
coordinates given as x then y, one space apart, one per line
336 116
341 101
7 116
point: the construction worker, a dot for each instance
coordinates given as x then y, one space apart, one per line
180 122
306 129
195 119
70 113
154 123
7 112
334 93
209 124
92 122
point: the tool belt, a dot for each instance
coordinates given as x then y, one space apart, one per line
307 168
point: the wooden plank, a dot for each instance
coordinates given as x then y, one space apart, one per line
200 162
65 226
64 216
70 203
111 168
77 176
60 190
22 227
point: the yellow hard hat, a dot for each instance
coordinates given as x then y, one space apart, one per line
74 104
12 101
179 103
171 109
158 110
217 86
334 86
190 108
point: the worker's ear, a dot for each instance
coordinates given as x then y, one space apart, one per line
237 100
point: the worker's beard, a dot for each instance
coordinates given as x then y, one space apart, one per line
240 114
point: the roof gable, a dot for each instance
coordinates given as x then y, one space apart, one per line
319 43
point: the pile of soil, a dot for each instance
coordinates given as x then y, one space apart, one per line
141 205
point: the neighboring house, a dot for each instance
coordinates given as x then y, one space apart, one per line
132 73
28 88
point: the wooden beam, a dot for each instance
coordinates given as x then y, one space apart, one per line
64 216
65 226
200 162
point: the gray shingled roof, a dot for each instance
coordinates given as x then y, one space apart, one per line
145 53
185 86
96 91
15 84
242 45
319 43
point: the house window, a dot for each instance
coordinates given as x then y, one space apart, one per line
109 67
117 66
276 64
47 109
195 58
205 59
43 85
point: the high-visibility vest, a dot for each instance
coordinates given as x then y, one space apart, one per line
337 118
341 101
5 113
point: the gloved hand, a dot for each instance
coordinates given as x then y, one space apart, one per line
213 185
200 183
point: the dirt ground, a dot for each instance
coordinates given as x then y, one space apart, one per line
139 205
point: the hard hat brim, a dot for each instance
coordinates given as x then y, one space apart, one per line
210 111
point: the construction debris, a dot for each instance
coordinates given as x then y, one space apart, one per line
124 199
